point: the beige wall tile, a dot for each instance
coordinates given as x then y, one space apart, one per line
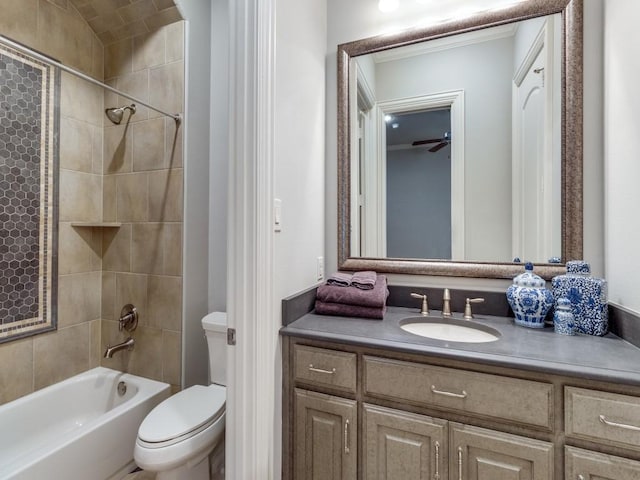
175 41
165 196
79 249
103 23
72 42
61 355
109 198
80 197
173 249
164 17
16 369
132 288
148 145
165 302
19 21
146 357
97 69
96 351
147 248
166 87
97 148
79 297
132 204
81 100
118 58
110 335
108 304
130 30
149 50
117 149
171 357
173 147
111 99
116 249
76 145
137 85
137 11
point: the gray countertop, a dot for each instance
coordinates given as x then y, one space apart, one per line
607 358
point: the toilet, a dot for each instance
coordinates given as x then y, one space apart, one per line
177 436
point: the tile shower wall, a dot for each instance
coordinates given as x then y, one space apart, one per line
35 362
130 174
142 260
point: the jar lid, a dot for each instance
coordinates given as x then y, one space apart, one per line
528 278
579 267
563 303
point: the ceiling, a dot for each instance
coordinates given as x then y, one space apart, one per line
114 20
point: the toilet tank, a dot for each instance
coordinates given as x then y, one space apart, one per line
215 330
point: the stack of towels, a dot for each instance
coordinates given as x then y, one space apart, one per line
361 294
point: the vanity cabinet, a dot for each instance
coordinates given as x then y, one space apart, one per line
369 413
404 445
587 465
401 445
325 437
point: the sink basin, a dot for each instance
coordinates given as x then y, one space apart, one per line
450 330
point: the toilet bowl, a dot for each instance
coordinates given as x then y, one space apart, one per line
177 437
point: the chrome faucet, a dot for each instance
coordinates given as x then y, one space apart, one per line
128 344
468 315
446 303
424 310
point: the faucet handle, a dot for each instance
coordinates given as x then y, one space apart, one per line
468 315
424 310
446 303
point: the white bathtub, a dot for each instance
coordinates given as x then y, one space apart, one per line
80 428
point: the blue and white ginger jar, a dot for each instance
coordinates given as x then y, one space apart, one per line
563 321
529 299
588 297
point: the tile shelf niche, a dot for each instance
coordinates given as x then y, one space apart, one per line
96 224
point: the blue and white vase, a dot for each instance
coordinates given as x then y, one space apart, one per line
563 321
588 297
529 299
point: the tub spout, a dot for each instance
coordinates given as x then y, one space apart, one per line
128 344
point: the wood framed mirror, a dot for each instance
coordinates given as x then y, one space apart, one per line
558 191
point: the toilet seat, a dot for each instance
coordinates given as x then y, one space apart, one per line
183 415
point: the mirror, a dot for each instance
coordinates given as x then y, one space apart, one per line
460 145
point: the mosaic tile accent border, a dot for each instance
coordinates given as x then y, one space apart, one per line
29 130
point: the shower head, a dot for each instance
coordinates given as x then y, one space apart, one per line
115 113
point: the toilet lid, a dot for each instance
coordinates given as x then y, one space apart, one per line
182 413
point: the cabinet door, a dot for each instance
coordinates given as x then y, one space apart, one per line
324 440
403 446
585 465
480 454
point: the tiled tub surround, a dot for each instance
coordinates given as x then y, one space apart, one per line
29 91
86 290
79 428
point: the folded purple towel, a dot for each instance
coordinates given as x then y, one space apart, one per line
342 310
375 298
364 280
340 279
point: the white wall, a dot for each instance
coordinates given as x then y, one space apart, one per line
357 19
622 152
196 189
299 159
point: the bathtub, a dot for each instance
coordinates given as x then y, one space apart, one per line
81 428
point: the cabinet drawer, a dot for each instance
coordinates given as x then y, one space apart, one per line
587 464
522 401
324 367
602 417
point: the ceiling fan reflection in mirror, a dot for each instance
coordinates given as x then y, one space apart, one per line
441 142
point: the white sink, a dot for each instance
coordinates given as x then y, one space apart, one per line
452 330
